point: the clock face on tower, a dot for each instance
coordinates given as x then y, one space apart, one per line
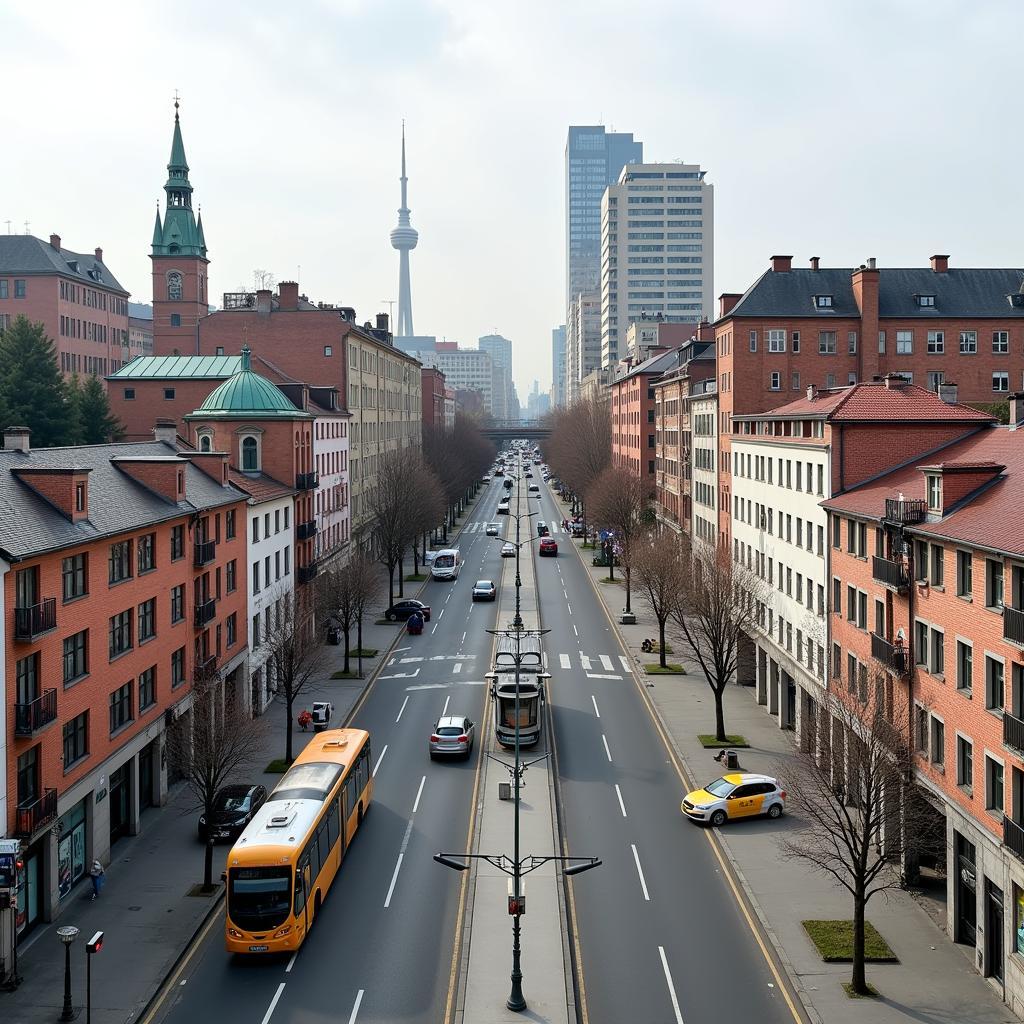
174 286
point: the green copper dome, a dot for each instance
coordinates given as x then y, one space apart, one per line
247 395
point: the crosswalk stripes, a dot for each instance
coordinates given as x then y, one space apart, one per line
585 662
625 664
609 667
606 662
564 661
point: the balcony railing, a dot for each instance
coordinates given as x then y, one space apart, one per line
34 815
1013 625
306 481
305 531
205 553
892 656
905 510
31 717
892 574
1013 731
308 573
205 612
1013 837
35 620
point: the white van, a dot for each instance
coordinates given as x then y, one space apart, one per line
446 564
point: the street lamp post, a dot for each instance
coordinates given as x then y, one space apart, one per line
67 935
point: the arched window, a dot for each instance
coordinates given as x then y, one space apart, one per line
206 443
174 286
250 455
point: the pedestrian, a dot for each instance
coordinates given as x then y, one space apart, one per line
96 874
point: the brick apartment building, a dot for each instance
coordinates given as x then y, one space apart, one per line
632 406
834 326
927 596
432 393
76 298
124 576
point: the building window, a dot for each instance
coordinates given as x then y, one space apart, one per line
937 653
147 620
823 301
993 584
169 394
129 394
229 524
146 553
1000 342
904 343
796 381
921 728
178 667
174 286
147 689
177 603
75 576
926 301
205 443
76 657
120 633
231 574
964 762
76 739
995 694
938 751
993 786
881 343
250 455
826 342
120 562
254 640
936 342
776 340
177 542
1001 381
964 666
775 383
175 319
937 574
232 629
4 286
968 343
19 289
964 574
120 707
935 378
851 342
328 351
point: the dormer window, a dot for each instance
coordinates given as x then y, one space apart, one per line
823 301
205 443
250 454
933 484
926 301
80 497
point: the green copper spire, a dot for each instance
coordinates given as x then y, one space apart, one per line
158 231
179 234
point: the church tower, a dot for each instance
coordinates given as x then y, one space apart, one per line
180 280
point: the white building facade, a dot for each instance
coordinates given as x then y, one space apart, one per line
704 461
330 456
465 369
582 342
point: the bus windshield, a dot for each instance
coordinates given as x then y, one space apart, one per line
444 561
259 898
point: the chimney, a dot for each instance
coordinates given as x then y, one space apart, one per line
948 392
55 242
814 262
166 430
1016 410
288 295
871 263
99 254
781 264
382 322
940 264
865 293
894 381
812 392
726 301
263 300
16 439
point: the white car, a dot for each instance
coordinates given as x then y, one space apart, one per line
535 488
492 529
487 478
503 508
508 550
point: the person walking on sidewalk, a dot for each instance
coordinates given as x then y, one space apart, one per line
96 874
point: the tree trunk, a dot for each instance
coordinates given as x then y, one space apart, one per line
719 715
628 592
610 555
416 557
348 630
858 980
391 583
401 574
661 639
208 858
289 700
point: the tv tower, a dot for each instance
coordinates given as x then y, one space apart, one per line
404 239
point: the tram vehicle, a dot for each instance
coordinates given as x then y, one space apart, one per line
531 676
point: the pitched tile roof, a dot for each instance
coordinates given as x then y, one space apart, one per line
259 486
991 518
30 525
28 255
958 292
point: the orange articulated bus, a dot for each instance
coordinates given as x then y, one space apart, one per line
281 867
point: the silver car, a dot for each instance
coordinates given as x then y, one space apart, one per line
508 550
452 735
483 590
492 529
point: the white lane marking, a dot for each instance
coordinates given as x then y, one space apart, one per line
291 963
436 624
596 712
625 664
355 1007
564 661
618 793
585 662
404 702
444 710
640 872
448 598
445 686
273 1003
398 650
470 612
601 675
463 637
398 865
671 987
410 661
569 606
419 793
575 630
604 740
456 668
402 675
379 759
606 662
441 616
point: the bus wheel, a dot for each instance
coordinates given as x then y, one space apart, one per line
316 906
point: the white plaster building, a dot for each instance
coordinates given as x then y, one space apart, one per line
330 456
703 401
582 342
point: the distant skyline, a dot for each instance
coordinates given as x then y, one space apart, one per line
827 130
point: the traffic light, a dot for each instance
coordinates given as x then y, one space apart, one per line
95 944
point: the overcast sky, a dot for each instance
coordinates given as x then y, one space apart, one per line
840 130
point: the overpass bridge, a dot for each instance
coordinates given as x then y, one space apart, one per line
510 430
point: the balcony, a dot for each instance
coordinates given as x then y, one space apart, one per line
35 620
305 531
31 717
1013 837
205 553
1013 625
892 574
34 815
1013 731
892 656
308 573
905 511
205 612
306 481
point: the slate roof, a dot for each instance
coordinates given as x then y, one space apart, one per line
958 292
30 525
31 256
179 367
655 364
989 518
259 486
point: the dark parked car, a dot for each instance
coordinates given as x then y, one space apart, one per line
401 610
233 808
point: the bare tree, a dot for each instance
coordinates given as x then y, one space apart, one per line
580 445
717 605
851 789
660 574
429 510
365 594
618 500
392 509
337 597
221 745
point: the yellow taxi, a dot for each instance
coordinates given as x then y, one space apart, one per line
736 795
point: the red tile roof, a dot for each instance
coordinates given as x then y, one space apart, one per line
259 488
993 518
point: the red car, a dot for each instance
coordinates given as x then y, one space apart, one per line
548 546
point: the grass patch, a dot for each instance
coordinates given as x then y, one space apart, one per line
709 741
277 767
587 544
655 668
345 675
834 941
872 992
416 577
365 652
611 579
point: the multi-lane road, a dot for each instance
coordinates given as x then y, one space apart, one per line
662 936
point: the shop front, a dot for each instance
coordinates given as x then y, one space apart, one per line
71 848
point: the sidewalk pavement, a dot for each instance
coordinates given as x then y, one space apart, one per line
934 980
145 910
